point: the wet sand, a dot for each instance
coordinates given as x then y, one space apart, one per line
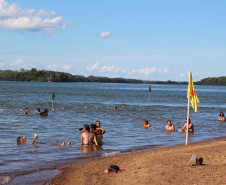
160 166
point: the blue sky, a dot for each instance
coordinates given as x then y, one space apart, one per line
148 39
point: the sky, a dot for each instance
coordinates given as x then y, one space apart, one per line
148 39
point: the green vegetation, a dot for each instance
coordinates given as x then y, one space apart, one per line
220 81
35 75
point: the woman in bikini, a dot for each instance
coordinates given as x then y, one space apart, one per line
169 126
87 137
221 117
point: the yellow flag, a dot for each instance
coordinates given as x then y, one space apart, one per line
191 90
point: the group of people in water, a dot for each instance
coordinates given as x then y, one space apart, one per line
44 113
93 134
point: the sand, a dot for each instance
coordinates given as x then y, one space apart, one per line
160 166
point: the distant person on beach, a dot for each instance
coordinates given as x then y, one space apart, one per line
38 111
169 126
23 140
87 137
45 113
146 125
190 127
97 134
221 117
98 124
26 111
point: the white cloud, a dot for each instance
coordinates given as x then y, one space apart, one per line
165 71
124 71
133 71
29 20
32 54
54 66
181 75
110 69
94 67
18 62
67 67
104 34
147 71
1 64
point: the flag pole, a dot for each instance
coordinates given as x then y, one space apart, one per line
188 118
149 95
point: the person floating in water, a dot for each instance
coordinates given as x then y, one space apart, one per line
45 113
169 126
221 117
23 140
26 111
87 137
38 111
146 125
190 127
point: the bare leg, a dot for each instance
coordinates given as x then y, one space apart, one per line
62 144
69 143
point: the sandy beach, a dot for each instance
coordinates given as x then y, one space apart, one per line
160 166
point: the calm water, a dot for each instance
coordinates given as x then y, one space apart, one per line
77 104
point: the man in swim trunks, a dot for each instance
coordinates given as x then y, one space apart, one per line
190 127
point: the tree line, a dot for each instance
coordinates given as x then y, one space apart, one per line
34 75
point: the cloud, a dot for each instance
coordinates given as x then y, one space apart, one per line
31 54
104 34
54 66
30 20
147 71
1 64
67 67
110 69
18 62
165 71
181 75
94 67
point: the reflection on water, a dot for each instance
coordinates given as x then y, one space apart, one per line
77 104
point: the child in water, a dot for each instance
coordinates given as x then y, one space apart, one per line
190 127
97 134
146 125
99 128
169 126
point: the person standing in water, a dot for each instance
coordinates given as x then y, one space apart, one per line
221 117
190 127
169 126
87 137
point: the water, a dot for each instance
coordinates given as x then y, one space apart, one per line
77 104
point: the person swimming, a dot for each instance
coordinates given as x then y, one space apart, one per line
87 137
26 111
146 125
221 117
169 126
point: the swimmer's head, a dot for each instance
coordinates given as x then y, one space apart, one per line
93 126
86 127
38 110
222 114
21 139
98 123
169 122
189 120
146 122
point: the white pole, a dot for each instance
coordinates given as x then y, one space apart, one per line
188 118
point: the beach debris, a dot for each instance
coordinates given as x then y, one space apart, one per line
199 161
192 160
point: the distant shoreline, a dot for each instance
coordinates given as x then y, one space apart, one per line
35 75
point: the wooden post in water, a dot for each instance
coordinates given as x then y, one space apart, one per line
53 97
149 95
